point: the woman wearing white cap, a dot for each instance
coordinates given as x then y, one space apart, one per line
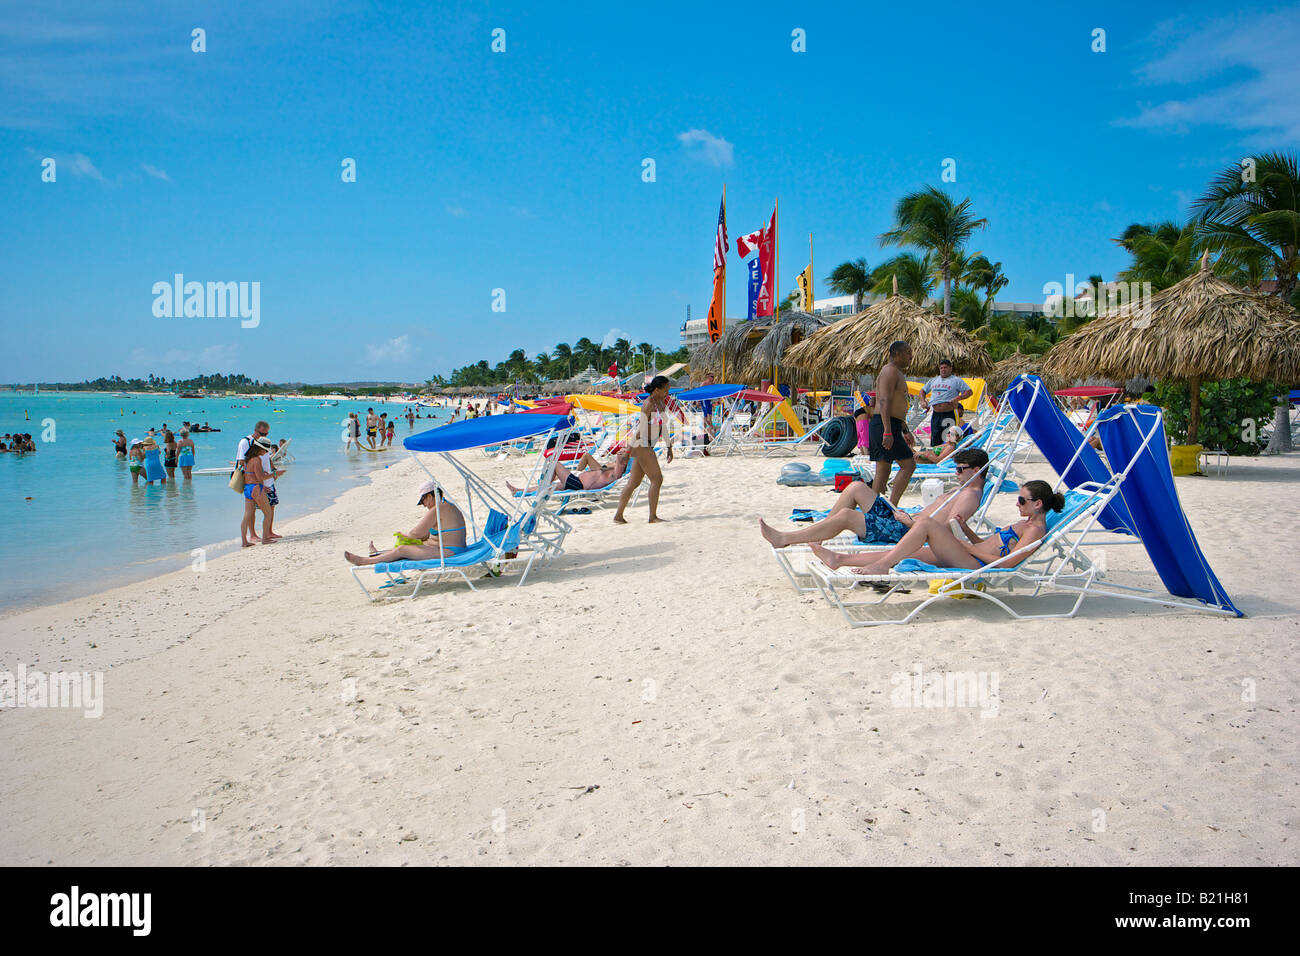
441 532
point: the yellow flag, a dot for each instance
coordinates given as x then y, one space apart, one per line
805 281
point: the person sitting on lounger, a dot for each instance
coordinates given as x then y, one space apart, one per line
933 542
443 526
875 521
592 476
932 456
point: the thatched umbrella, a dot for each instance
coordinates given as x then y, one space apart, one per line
728 352
768 354
1200 328
860 343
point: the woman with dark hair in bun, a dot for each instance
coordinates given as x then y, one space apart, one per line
651 428
934 543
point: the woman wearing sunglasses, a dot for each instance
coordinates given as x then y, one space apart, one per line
934 543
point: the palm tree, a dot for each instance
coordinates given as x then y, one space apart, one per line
1257 221
931 220
851 278
1163 253
563 355
645 350
622 352
915 275
586 351
790 301
968 308
987 276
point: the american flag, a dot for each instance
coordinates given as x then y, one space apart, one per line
720 244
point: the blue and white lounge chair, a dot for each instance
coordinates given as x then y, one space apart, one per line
521 532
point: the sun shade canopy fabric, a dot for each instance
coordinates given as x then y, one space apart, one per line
477 432
1135 433
709 393
753 395
1060 440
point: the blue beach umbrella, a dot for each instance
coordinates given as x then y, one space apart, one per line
477 432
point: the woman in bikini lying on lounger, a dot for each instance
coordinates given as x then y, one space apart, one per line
592 477
934 543
447 540
875 521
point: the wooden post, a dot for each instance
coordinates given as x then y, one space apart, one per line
1194 414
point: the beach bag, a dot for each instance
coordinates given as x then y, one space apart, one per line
843 480
237 479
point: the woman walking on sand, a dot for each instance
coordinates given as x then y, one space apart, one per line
651 428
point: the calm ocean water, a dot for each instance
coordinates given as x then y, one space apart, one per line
86 527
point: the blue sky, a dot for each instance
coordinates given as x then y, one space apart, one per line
522 170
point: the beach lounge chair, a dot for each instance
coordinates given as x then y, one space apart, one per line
522 532
1051 562
1139 499
794 559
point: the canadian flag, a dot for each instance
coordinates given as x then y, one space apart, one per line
747 244
764 242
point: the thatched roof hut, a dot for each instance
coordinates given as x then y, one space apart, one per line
860 343
733 346
768 354
1200 328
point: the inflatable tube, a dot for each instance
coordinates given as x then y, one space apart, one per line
153 468
796 468
839 437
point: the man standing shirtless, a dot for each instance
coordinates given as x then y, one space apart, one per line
888 425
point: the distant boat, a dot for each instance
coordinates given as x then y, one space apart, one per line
190 395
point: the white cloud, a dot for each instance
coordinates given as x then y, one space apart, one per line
80 165
155 172
1248 62
181 362
612 336
702 144
394 350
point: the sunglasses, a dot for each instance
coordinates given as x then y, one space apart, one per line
1021 500
960 468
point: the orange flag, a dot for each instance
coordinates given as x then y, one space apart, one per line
716 320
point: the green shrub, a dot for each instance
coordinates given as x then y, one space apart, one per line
1231 412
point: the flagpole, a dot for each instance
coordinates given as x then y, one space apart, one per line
811 274
724 278
776 267
776 255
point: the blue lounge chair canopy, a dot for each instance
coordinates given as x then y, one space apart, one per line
707 393
477 432
1151 499
1060 440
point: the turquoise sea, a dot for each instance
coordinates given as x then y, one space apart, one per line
73 523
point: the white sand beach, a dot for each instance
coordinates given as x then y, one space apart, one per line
658 695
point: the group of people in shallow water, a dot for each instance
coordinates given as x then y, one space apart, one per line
172 454
18 443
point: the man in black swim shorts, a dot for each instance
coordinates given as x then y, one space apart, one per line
889 446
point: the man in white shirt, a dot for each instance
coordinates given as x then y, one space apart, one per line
943 395
268 486
260 430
